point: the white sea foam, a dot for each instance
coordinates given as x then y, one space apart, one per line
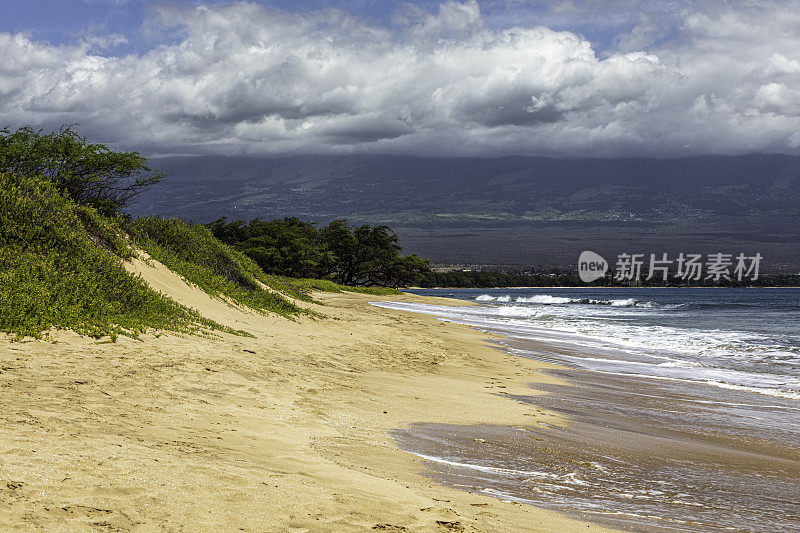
570 478
792 395
737 360
490 298
545 299
516 311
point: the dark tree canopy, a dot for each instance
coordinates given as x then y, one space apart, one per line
89 173
287 247
365 255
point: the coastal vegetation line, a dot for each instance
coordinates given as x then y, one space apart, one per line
64 238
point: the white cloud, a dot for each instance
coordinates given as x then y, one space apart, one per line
247 79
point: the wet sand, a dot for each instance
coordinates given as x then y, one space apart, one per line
636 454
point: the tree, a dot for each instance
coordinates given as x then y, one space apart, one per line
337 239
230 233
410 270
370 255
89 173
377 255
365 255
287 247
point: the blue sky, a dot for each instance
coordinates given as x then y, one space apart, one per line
602 78
69 21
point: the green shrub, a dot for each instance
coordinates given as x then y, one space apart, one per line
325 285
218 269
60 267
375 291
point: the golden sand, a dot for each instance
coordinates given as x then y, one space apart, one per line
283 432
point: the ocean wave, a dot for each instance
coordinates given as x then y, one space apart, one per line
777 392
764 384
490 298
546 299
630 302
743 361
700 306
516 311
570 478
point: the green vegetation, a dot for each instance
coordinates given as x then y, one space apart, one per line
564 278
60 266
88 173
324 285
193 252
359 256
63 243
496 278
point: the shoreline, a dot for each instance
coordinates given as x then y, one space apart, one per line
288 430
587 286
636 453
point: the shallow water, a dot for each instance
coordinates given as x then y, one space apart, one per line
623 477
745 339
683 407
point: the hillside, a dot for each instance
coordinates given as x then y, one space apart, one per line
511 210
61 266
64 266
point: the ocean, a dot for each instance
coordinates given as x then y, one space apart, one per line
683 406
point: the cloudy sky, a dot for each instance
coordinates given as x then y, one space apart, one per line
570 78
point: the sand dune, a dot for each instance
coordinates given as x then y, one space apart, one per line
286 431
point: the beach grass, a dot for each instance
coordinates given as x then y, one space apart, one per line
61 267
324 285
218 269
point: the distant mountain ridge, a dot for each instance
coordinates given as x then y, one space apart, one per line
510 210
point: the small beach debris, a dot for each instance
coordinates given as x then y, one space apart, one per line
452 526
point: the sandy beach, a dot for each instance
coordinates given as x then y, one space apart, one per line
286 431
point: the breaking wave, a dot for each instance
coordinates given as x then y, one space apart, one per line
546 299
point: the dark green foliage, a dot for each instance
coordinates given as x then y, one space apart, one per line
495 278
60 267
89 173
369 255
193 252
287 247
365 255
562 278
